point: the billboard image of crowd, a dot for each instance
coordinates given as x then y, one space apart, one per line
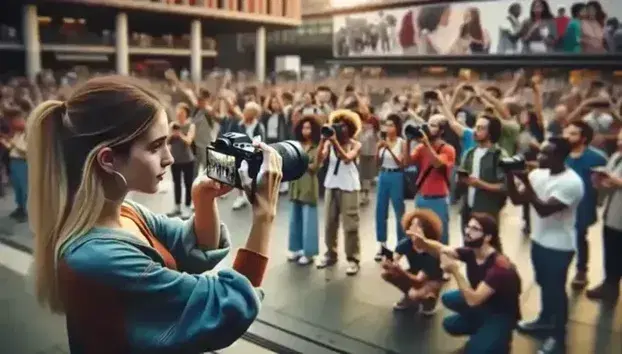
501 27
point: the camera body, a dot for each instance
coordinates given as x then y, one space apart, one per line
416 132
335 128
226 154
383 135
513 163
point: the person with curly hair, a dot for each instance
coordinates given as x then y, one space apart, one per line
422 281
304 195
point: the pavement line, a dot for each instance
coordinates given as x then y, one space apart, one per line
15 260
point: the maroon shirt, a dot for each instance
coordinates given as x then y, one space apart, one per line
498 273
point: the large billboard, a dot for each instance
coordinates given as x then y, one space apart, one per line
500 27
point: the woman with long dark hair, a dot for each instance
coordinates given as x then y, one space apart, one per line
539 31
486 305
593 29
304 195
390 159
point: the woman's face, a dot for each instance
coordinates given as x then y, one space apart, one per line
537 7
148 158
390 128
306 130
591 12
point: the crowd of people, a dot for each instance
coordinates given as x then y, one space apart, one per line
482 144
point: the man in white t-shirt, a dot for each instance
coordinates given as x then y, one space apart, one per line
554 192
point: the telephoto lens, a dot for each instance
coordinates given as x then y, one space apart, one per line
327 131
295 159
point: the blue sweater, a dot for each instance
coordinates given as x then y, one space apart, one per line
120 298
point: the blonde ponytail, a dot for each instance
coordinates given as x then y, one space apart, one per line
54 214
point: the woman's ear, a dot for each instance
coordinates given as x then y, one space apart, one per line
105 159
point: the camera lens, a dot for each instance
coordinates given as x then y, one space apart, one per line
327 132
413 132
295 159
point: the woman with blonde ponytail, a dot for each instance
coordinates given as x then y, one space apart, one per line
129 280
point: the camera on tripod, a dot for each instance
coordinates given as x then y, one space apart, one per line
414 132
225 156
513 163
328 131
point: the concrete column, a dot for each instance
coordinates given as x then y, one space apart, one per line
260 54
196 55
32 43
121 37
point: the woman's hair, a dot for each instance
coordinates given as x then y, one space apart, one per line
576 9
315 128
489 228
64 178
546 10
430 16
430 223
397 121
601 16
474 27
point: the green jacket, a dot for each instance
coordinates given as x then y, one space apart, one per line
485 201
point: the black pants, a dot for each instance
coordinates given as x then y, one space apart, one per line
187 170
612 243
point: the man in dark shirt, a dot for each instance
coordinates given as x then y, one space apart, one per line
422 281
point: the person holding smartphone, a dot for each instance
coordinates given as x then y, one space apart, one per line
129 280
422 281
390 159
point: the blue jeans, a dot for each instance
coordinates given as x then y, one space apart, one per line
551 273
390 187
303 229
490 332
440 207
19 181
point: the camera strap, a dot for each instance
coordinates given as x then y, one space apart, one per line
427 172
338 163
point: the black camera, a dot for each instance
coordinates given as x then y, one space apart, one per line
328 131
514 163
383 135
416 132
225 156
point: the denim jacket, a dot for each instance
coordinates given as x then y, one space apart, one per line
120 298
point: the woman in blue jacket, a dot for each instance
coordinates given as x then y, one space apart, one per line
128 280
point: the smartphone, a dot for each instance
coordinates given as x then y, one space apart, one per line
387 253
222 167
462 173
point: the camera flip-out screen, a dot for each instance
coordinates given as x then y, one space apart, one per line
221 167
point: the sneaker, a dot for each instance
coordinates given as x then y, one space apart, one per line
294 256
604 291
533 326
404 304
304 260
579 281
239 203
353 268
325 262
429 306
552 346
19 215
378 256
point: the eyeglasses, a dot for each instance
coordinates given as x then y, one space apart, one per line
473 228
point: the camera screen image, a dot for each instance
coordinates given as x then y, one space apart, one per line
221 167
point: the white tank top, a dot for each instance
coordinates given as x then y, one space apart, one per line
347 177
387 161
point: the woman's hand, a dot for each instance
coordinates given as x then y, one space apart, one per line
268 182
207 189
